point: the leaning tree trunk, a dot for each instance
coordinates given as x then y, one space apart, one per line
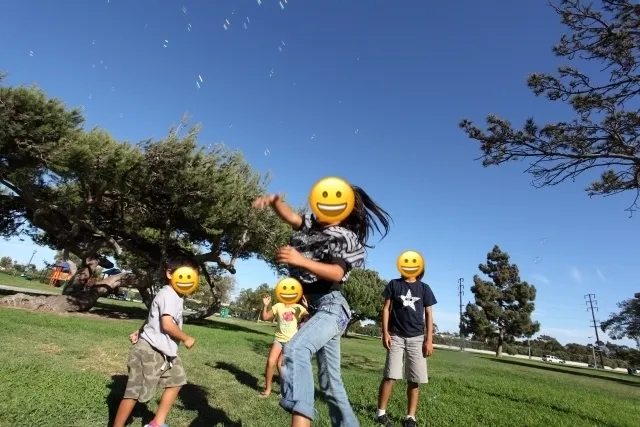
80 278
204 313
77 301
80 294
214 306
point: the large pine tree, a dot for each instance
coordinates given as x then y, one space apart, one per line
504 303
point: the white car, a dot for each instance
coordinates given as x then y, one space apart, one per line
552 359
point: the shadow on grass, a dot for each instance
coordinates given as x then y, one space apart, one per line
113 311
243 377
363 363
194 398
359 337
260 346
577 372
224 326
117 387
538 403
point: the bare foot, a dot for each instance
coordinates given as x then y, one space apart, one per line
265 394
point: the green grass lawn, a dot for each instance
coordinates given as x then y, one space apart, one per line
21 282
70 371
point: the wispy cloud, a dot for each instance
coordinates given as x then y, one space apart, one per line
538 313
540 278
575 273
601 275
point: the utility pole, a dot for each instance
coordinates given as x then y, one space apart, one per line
460 294
591 302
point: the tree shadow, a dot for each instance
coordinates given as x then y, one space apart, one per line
363 363
538 403
231 327
352 336
260 346
117 386
113 311
243 377
569 371
194 398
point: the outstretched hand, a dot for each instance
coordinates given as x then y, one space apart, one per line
266 300
262 202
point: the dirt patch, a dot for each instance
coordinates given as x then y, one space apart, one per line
56 304
106 361
40 304
48 348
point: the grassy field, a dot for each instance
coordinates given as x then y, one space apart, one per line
21 282
70 371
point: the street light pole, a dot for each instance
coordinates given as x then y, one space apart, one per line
31 259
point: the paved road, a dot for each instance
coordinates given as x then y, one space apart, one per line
14 289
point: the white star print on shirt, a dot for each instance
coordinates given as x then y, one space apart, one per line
408 300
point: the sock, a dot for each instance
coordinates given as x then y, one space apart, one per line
380 413
410 416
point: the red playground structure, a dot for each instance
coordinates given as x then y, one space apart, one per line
60 274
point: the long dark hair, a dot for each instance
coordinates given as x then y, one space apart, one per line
362 219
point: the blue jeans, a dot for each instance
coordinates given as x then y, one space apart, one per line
320 335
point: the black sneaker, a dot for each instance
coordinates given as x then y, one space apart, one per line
384 420
409 422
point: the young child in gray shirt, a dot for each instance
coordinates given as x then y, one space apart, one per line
154 360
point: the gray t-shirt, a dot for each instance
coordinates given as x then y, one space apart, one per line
168 302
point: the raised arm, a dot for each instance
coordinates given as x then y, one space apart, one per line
267 311
281 208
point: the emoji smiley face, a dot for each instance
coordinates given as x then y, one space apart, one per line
185 280
288 291
410 264
332 200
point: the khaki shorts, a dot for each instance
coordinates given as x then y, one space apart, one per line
407 351
148 370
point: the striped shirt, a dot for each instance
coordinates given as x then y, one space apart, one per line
332 245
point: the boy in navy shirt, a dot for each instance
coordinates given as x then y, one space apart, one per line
407 310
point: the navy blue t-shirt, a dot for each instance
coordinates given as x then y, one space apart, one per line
408 301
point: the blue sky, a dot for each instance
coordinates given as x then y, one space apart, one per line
370 91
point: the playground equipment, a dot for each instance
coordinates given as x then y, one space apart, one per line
60 274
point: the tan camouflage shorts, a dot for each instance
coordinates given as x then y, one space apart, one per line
149 370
